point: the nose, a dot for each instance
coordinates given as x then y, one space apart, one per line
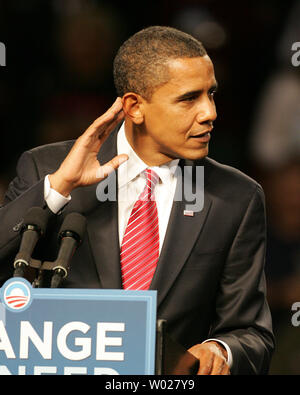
206 111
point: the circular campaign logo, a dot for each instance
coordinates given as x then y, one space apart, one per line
16 295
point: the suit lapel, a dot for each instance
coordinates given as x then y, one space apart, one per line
182 233
104 241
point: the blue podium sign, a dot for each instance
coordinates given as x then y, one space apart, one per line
76 331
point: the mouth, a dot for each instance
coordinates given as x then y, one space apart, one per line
203 136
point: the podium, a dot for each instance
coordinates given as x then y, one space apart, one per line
85 331
171 357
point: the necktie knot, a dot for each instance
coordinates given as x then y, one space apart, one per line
151 180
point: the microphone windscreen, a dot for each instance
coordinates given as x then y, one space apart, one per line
38 217
74 222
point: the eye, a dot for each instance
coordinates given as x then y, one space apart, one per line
212 93
190 98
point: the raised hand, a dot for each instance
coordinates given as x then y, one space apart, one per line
81 166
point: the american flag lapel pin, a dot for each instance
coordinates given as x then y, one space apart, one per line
188 213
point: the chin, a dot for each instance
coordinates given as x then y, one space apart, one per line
196 154
188 154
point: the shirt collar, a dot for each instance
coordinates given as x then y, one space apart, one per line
134 166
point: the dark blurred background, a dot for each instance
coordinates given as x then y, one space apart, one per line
58 79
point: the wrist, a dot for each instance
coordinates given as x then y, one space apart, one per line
60 185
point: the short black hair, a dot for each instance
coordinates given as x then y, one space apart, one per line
140 65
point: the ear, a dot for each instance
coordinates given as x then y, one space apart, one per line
133 107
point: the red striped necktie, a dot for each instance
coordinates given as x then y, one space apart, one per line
140 244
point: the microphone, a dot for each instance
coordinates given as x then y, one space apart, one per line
70 236
34 226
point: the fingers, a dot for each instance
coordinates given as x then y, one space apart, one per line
104 131
211 360
111 166
219 367
99 130
211 364
108 120
206 363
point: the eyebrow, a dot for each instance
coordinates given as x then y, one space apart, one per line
189 94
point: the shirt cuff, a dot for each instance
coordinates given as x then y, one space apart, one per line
229 353
55 201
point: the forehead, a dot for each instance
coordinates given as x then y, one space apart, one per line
189 74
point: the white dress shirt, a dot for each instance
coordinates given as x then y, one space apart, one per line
131 182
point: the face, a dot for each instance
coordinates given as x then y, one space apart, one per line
179 116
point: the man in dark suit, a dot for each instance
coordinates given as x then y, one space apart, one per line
209 275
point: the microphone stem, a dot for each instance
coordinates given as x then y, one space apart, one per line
20 269
57 278
67 249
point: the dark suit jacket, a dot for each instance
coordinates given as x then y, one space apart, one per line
209 277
